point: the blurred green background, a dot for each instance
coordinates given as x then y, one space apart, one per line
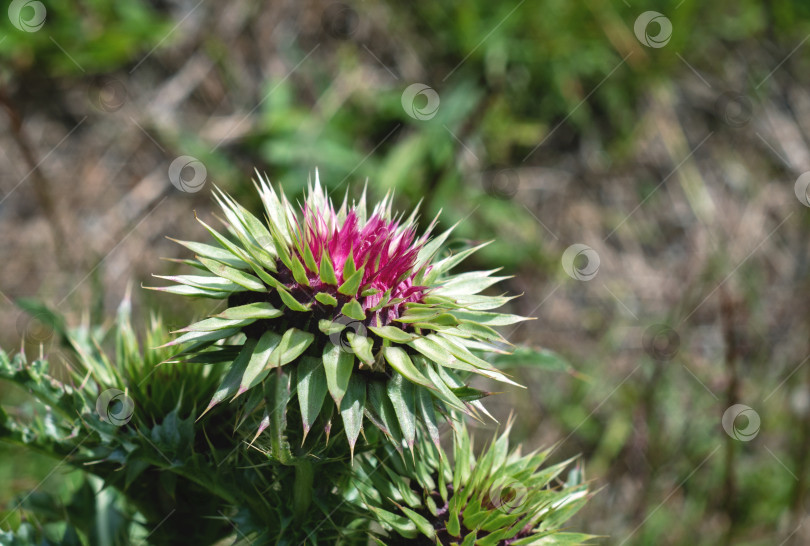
669 143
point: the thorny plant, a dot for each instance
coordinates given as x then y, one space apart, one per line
246 428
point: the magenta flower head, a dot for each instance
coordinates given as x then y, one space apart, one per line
339 302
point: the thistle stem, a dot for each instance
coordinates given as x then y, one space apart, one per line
302 489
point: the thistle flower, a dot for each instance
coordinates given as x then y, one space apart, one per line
500 497
341 302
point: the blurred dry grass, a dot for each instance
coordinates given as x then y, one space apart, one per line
690 207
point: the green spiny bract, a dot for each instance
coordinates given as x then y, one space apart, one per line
500 497
103 402
341 303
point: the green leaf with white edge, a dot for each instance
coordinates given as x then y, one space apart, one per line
215 323
399 360
401 393
469 394
489 319
327 270
527 356
443 391
420 521
281 246
417 315
392 333
457 347
479 302
469 283
458 364
326 299
293 344
351 409
431 350
265 277
443 266
253 249
419 326
230 384
338 365
235 275
292 303
309 260
482 367
329 327
480 331
192 291
208 251
428 414
256 370
351 285
225 243
400 524
311 390
349 267
353 310
381 404
258 310
202 336
256 229
556 539
362 346
298 271
427 252
212 283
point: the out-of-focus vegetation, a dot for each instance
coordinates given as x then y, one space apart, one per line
556 126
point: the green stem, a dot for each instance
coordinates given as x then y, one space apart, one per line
302 489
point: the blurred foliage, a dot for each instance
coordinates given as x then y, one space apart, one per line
82 37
